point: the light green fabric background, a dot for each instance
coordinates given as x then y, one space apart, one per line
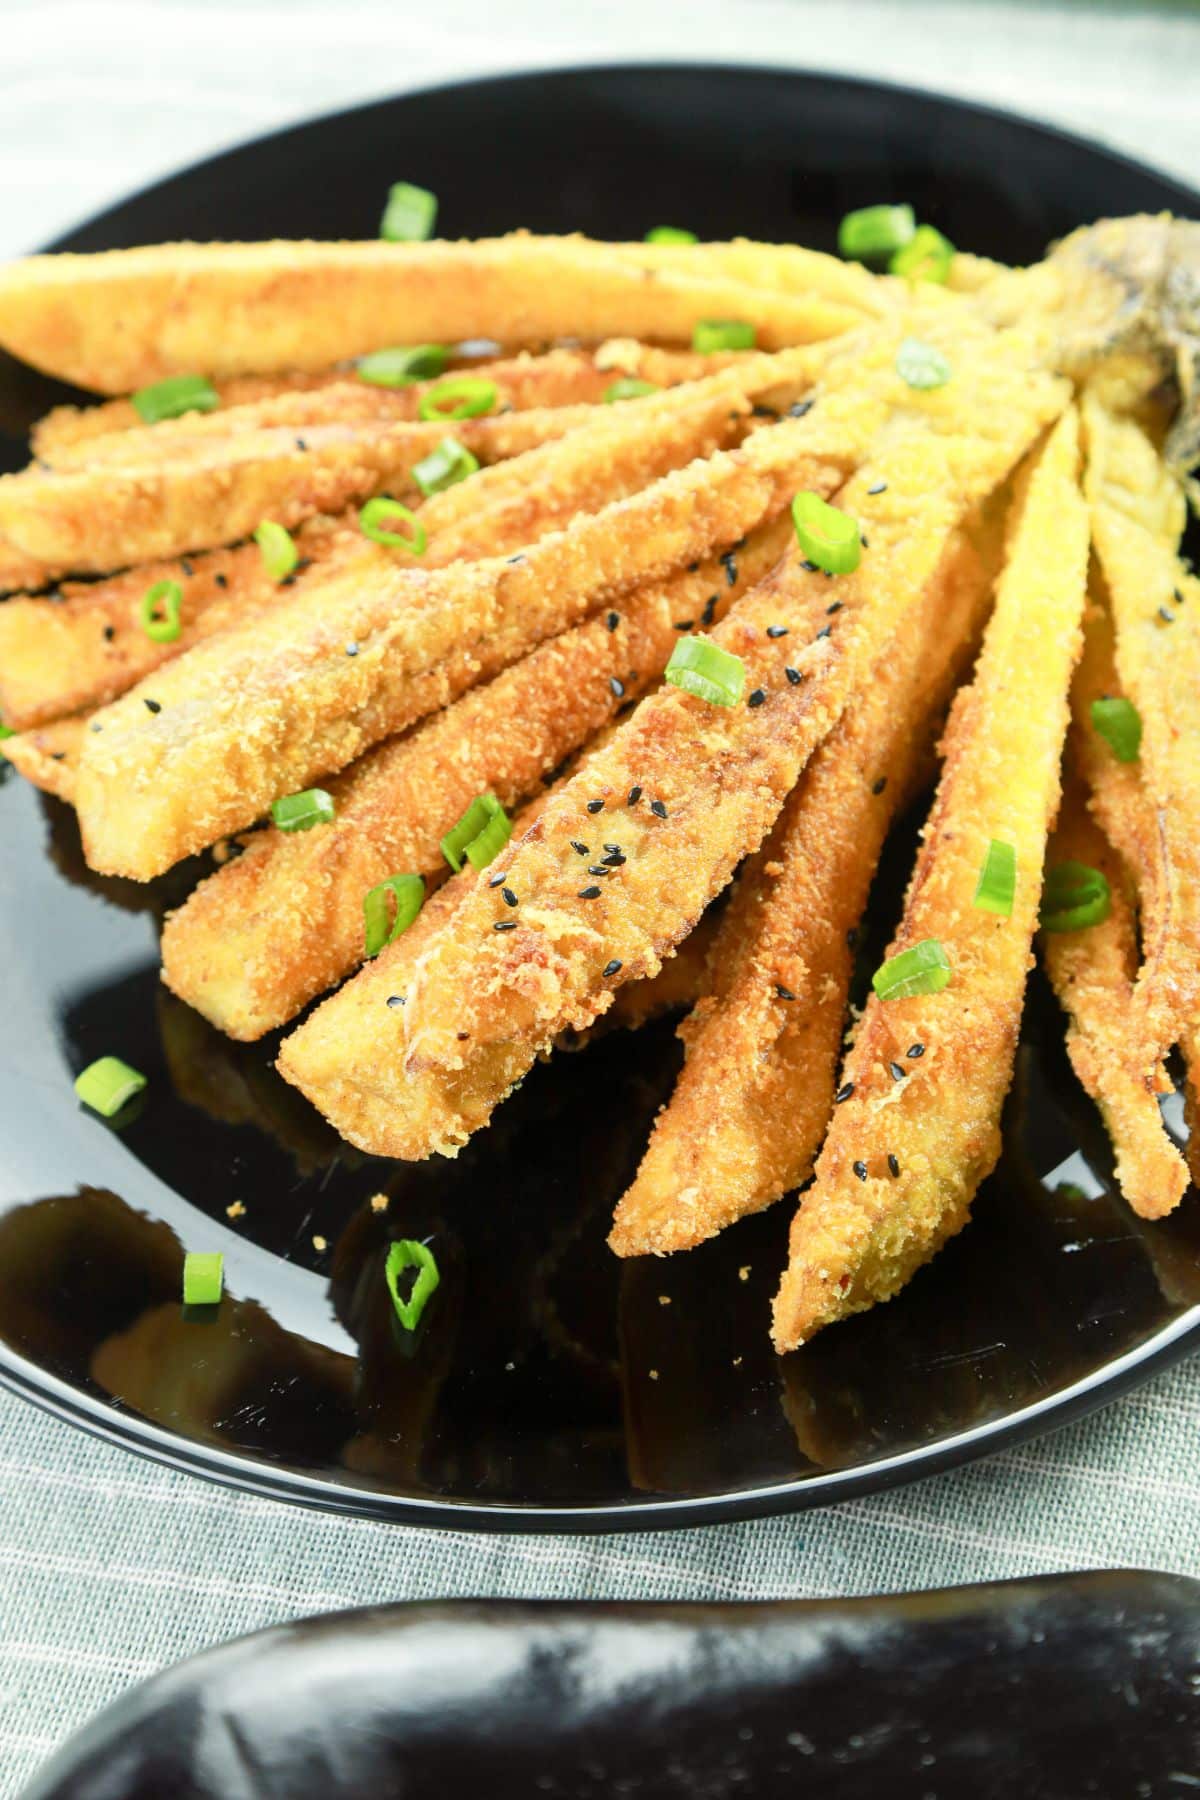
110 1567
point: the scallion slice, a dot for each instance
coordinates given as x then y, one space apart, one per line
875 232
177 395
401 367
997 883
722 334
406 1253
926 257
925 969
160 612
6 731
1074 896
410 214
407 894
107 1084
373 522
462 397
829 538
449 464
279 552
203 1277
300 812
703 668
1120 725
630 388
479 835
671 234
921 366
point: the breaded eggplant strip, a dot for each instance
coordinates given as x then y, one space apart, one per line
1092 972
116 321
191 492
49 757
265 934
919 1128
264 710
755 1093
1138 514
685 789
791 268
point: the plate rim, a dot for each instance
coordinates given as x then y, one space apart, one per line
250 1474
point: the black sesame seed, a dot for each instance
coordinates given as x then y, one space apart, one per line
915 1050
301 443
352 649
799 407
595 806
852 937
877 487
97 726
896 1072
589 893
810 567
683 624
878 786
844 1093
611 968
395 1000
498 878
658 809
1166 615
58 756
519 557
153 706
110 632
777 631
612 620
729 564
893 1162
785 993
710 607
835 606
635 794
508 897
759 411
504 925
860 1169
599 869
692 567
611 847
757 697
221 580
864 540
616 688
186 564
615 859
1177 596
825 631
794 676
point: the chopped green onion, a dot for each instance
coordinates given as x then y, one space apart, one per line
401 367
408 894
203 1277
827 537
450 463
160 612
874 232
925 969
997 883
1120 725
630 388
279 552
722 334
671 234
462 397
177 395
107 1084
479 835
926 257
372 522
300 812
6 731
700 667
921 366
407 1254
1075 895
410 214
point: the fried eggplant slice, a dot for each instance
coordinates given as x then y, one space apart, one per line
686 789
926 1077
1092 972
1138 513
755 1093
265 934
67 429
49 757
116 321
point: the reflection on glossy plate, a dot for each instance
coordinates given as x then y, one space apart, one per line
549 1386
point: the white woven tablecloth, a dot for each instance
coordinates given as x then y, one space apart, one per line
110 1567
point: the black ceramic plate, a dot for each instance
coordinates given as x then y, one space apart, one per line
551 1387
1049 1689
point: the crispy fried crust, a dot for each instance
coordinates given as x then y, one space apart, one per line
259 939
1092 972
49 757
868 1223
119 320
412 1086
1137 512
754 1097
263 711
